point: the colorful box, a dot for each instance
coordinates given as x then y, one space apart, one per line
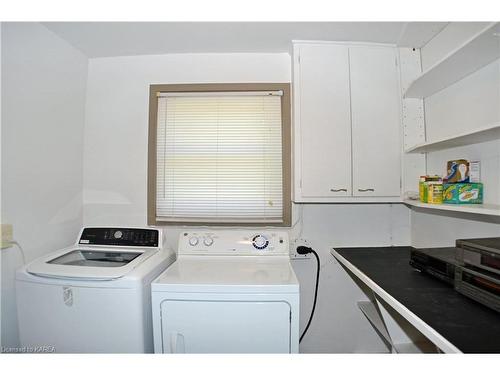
434 192
424 183
457 171
468 193
422 189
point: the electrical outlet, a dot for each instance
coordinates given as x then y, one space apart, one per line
6 237
296 243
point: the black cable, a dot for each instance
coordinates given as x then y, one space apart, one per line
306 250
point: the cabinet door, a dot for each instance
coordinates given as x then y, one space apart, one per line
375 121
322 120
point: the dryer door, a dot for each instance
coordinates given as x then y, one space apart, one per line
225 326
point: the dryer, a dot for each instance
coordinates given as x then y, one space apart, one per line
93 297
229 291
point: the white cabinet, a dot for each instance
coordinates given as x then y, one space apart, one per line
346 123
323 110
375 103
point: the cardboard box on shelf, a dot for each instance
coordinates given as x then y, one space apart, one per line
467 193
457 171
435 192
430 185
475 171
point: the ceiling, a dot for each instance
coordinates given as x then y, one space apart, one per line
105 39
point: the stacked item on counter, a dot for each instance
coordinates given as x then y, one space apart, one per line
461 185
472 267
477 275
439 262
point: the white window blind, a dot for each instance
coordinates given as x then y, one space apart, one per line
219 157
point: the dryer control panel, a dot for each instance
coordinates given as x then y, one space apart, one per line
234 242
120 237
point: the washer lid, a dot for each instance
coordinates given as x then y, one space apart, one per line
94 263
228 275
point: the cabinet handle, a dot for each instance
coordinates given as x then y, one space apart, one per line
364 190
337 190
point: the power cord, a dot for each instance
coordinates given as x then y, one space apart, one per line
306 250
20 249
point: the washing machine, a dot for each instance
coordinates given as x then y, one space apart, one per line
229 291
95 296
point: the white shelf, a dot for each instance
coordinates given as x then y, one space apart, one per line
480 209
484 134
471 56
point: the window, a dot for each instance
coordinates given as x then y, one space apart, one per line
219 154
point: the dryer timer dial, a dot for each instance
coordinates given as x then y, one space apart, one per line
260 242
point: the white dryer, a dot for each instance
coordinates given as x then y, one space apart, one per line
228 292
95 296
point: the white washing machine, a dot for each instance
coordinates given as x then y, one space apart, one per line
95 296
228 292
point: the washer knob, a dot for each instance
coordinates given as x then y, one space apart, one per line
260 242
193 241
118 234
208 241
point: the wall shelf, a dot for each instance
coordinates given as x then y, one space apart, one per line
484 134
478 51
480 209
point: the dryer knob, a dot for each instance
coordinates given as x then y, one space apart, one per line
260 242
208 241
193 241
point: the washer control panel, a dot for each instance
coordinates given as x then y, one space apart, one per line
120 237
233 242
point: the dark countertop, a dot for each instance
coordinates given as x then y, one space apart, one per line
470 326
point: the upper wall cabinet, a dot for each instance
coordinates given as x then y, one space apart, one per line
346 123
375 99
322 122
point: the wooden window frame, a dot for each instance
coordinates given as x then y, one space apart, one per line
286 128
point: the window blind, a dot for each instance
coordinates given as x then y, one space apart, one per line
219 158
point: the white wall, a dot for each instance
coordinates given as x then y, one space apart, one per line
441 229
470 103
339 326
43 108
115 156
115 181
